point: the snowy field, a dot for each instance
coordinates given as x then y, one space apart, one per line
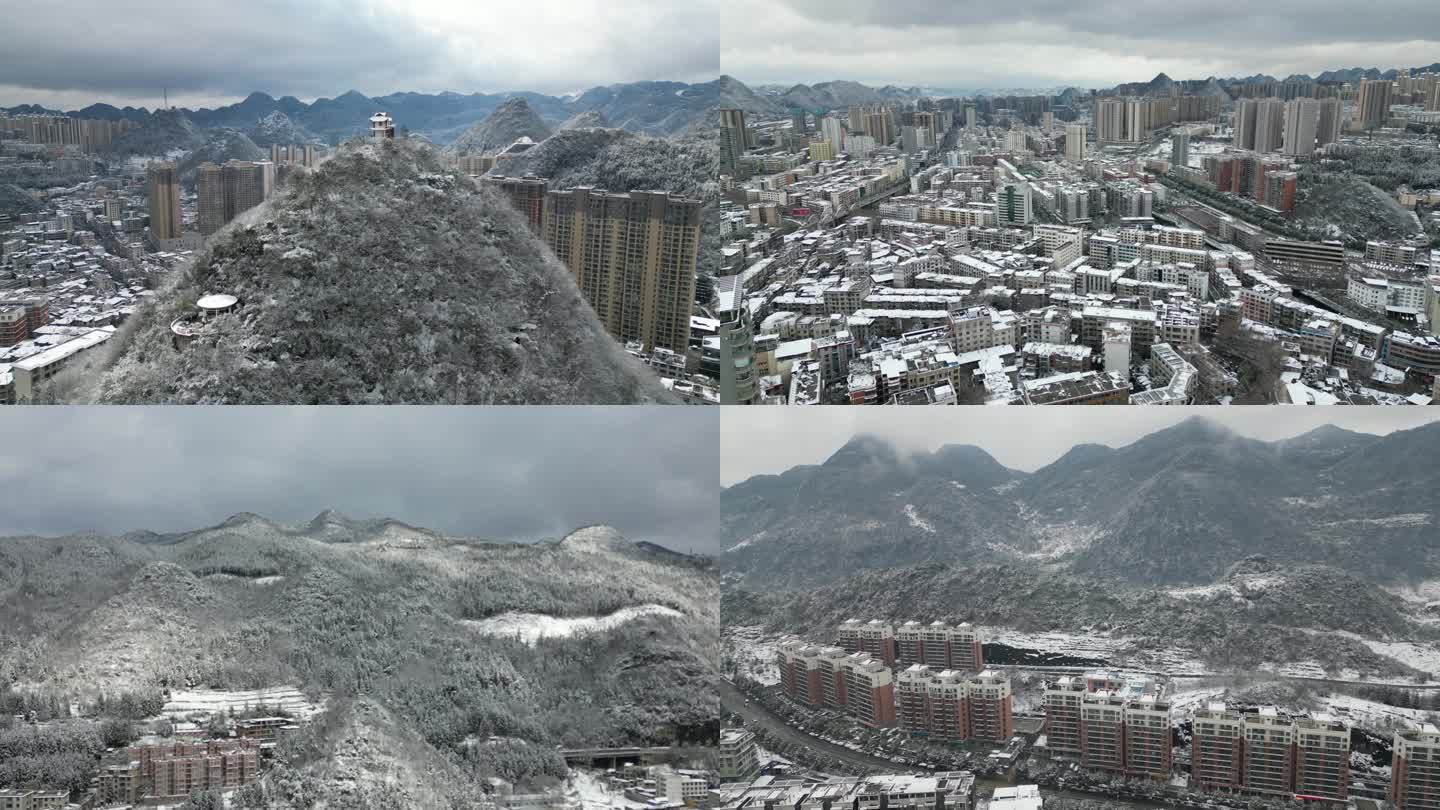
285 699
1115 651
1375 716
531 627
753 651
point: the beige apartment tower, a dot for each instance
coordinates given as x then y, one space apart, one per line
633 256
163 187
226 191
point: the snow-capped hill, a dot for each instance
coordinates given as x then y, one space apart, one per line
595 539
590 119
277 128
343 299
509 122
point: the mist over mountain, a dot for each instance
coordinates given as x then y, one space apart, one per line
379 277
393 628
1179 506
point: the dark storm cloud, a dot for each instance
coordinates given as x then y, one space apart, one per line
209 49
496 473
973 44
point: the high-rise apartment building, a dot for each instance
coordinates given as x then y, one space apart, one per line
1123 120
799 665
1269 124
1269 758
1332 114
293 155
1179 150
739 376
939 645
225 192
210 198
633 256
527 194
1302 121
1063 699
1259 124
949 705
1012 204
733 141
989 706
869 690
833 132
1217 748
1075 135
875 638
1148 738
1415 769
162 182
1322 757
832 676
1102 731
91 135
1372 103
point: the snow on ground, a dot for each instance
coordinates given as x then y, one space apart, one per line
1406 519
1296 669
1184 701
531 627
586 790
753 651
917 521
252 580
1205 591
1116 651
282 698
1373 715
754 538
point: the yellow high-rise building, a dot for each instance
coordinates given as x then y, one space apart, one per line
633 256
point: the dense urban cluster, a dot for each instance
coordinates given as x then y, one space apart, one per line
1153 246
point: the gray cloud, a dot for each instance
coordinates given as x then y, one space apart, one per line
1050 42
496 473
772 440
208 51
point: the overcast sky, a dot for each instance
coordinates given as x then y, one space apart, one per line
755 441
210 52
496 473
1044 43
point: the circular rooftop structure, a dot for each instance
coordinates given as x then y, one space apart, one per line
216 302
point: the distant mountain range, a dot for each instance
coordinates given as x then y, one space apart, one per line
771 100
654 108
1179 506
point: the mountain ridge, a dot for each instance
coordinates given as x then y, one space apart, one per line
1176 506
